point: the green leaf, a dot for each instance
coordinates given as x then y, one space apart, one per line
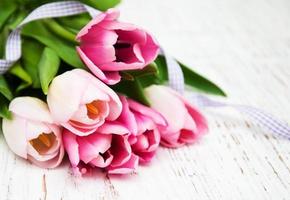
127 76
59 30
132 89
76 22
16 19
192 79
7 8
66 51
130 75
4 88
31 53
150 69
48 67
162 68
101 4
4 112
3 37
18 71
199 82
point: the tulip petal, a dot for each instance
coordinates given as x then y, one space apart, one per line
144 123
168 105
145 157
92 93
113 128
150 49
111 14
78 130
102 162
120 66
114 103
52 163
187 136
121 150
146 145
65 94
127 117
141 144
88 151
15 135
129 55
93 22
116 25
30 108
99 54
71 146
154 139
189 124
101 142
133 36
34 128
149 112
110 78
198 118
201 125
126 168
100 37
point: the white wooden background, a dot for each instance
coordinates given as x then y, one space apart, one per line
244 46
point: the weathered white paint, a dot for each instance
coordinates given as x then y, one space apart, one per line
244 46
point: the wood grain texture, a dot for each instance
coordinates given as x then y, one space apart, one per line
244 46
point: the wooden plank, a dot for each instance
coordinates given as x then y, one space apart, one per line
244 46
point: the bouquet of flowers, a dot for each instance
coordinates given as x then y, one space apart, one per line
96 89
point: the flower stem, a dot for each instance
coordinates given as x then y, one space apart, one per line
60 31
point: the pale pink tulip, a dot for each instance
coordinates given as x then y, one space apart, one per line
185 123
81 103
108 46
31 133
142 122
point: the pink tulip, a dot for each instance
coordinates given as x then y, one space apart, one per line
185 123
81 103
142 122
31 133
108 46
101 149
117 146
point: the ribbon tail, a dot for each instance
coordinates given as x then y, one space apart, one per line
266 120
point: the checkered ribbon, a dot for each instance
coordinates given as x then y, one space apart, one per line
266 120
176 78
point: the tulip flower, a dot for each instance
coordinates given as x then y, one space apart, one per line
81 103
143 122
31 134
108 46
117 146
185 123
101 149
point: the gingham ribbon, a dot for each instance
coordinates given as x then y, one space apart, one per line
266 120
176 78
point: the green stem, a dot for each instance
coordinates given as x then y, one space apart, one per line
60 31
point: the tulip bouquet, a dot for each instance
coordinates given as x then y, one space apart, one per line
92 89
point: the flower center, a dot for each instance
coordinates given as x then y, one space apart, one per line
123 50
43 142
93 109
